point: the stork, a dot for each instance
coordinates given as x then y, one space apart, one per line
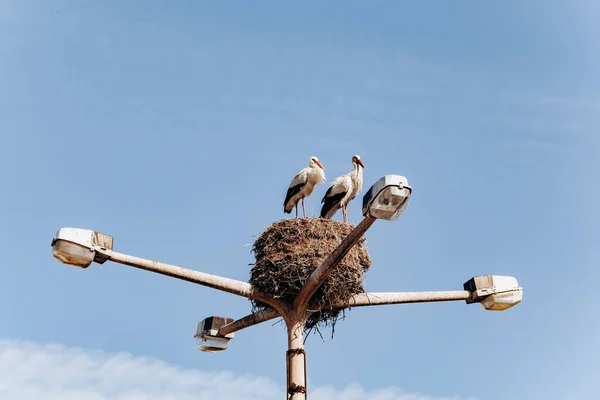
342 190
303 185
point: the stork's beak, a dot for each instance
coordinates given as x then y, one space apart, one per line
319 164
360 162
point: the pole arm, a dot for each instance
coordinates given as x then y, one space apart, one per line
319 275
201 278
380 299
359 300
248 321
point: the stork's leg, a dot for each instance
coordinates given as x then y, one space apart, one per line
296 209
303 210
345 214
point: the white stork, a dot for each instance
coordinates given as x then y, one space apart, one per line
303 185
342 190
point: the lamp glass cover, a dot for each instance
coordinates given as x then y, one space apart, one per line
72 254
390 203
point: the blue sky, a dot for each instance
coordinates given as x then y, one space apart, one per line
177 126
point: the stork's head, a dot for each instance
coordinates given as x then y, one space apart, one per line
315 161
356 160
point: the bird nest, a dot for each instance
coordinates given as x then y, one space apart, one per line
287 253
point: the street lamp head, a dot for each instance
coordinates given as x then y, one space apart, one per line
495 293
207 335
76 247
387 198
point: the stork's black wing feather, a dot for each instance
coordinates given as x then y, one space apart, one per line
292 191
329 202
327 193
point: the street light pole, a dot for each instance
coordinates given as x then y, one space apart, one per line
386 199
296 361
296 320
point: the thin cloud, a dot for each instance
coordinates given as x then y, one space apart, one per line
32 371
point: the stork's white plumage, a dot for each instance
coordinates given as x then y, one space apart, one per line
342 190
303 185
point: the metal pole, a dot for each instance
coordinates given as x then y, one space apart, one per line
378 299
249 320
358 300
296 362
201 278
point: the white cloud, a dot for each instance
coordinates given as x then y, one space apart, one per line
31 371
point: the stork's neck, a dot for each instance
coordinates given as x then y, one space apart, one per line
317 175
357 176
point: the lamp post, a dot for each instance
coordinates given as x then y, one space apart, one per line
387 199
